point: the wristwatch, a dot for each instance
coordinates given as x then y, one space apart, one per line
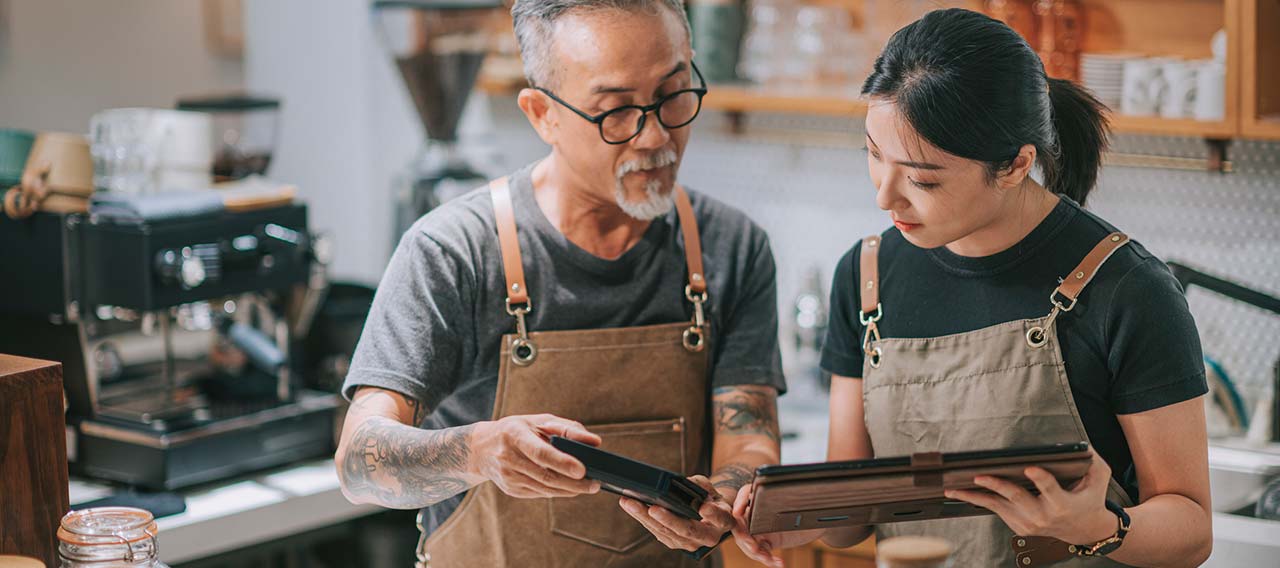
1110 544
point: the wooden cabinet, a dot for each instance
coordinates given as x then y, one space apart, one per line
33 458
1175 28
1260 69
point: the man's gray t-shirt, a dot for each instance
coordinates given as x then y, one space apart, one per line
435 328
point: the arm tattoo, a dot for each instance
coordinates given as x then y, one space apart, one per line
743 411
405 467
733 476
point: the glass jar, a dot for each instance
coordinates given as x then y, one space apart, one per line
914 552
108 537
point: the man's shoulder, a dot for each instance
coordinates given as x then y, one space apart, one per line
460 224
724 222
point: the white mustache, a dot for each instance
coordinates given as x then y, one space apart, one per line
659 159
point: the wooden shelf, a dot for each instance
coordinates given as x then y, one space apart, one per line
830 100
843 101
1123 124
1252 97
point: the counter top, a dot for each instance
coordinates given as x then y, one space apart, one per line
246 510
262 507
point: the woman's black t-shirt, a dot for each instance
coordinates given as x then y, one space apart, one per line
1130 345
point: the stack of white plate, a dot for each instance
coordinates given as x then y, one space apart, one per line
1103 75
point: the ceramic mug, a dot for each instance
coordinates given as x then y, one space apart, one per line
1140 95
1179 94
1211 92
59 164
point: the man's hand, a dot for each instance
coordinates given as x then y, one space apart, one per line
515 454
679 533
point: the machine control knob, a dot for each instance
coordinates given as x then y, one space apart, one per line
182 267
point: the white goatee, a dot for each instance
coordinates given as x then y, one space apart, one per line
655 203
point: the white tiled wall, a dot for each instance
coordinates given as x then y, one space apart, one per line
804 180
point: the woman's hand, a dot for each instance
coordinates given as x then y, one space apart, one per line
1075 516
763 548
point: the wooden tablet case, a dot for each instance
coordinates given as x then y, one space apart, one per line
912 492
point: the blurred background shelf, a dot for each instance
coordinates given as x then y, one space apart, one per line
834 100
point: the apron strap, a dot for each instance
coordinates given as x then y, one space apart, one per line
508 242
868 269
692 241
518 303
512 266
1075 282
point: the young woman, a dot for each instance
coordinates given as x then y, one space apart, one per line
997 312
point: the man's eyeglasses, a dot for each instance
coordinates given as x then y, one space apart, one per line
620 125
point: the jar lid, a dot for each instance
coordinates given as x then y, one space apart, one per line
107 526
914 550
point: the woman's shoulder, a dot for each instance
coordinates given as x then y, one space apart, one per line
1131 262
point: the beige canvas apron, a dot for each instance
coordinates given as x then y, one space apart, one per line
642 389
997 387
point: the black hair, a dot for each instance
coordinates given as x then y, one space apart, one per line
971 86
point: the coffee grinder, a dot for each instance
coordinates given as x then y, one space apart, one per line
438 47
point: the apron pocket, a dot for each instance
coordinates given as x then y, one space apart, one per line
597 519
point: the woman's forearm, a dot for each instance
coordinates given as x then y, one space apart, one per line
1166 530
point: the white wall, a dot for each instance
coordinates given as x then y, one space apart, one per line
63 60
348 126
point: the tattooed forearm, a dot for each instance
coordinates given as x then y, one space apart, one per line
732 476
393 465
740 410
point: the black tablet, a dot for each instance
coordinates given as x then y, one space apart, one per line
635 479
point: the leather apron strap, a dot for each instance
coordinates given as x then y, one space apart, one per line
1073 284
869 271
692 241
519 304
509 242
869 286
513 266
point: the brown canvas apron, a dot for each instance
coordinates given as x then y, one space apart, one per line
997 387
642 389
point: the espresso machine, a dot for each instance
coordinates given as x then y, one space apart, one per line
177 338
439 47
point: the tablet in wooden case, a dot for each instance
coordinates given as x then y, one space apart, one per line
896 489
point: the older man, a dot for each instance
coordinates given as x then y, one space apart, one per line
588 296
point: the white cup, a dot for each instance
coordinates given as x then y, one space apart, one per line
1179 81
1211 92
1140 94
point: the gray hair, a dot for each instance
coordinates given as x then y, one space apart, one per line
534 20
